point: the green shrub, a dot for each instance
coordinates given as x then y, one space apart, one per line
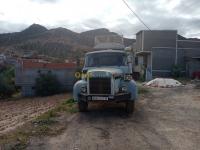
176 71
47 84
6 89
7 86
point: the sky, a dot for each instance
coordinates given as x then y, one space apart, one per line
83 15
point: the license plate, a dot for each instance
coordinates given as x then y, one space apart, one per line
99 98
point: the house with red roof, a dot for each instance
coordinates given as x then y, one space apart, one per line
27 70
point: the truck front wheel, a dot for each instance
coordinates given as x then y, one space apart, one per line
130 106
83 106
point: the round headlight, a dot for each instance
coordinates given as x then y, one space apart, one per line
127 77
83 89
124 89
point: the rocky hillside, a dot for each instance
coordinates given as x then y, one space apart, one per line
58 42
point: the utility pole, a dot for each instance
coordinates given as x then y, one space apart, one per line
176 55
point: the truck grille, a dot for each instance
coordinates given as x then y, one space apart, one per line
100 85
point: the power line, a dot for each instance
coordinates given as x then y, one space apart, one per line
136 14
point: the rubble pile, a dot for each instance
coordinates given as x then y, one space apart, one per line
163 83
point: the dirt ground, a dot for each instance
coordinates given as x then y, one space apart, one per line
164 119
14 113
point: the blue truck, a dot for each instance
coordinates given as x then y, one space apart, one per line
106 76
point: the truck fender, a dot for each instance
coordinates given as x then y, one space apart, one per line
77 88
132 88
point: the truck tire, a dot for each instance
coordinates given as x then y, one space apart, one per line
82 106
130 106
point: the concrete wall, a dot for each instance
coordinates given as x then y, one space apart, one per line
188 44
26 78
165 38
192 52
162 61
181 58
155 38
27 90
163 45
193 66
164 58
138 43
191 62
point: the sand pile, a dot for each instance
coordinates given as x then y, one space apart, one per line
163 82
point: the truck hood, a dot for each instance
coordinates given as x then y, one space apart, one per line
105 72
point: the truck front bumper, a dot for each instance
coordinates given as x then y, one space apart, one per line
118 97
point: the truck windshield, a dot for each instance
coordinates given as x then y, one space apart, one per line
105 59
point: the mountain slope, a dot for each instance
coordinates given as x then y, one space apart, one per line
58 42
34 31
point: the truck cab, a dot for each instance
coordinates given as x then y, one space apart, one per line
106 76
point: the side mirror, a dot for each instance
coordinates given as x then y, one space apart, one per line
129 59
84 71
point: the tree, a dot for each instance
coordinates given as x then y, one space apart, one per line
47 84
7 86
